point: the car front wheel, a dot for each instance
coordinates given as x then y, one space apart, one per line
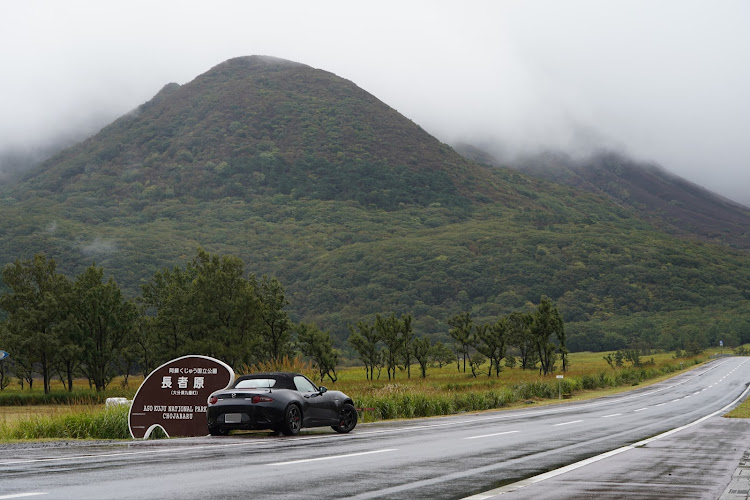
292 420
347 419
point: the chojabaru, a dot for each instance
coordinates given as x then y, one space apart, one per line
280 401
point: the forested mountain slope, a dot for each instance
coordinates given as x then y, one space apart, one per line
666 200
358 211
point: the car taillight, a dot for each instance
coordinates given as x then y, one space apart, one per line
261 399
213 400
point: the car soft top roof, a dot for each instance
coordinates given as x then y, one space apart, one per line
285 380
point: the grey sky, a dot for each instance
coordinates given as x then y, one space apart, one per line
664 80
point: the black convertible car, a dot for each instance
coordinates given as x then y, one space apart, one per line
284 402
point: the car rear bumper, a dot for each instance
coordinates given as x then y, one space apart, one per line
251 416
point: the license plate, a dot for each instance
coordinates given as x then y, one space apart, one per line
232 418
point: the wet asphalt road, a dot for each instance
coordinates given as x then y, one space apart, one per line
448 457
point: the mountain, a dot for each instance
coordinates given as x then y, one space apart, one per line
357 211
666 200
260 125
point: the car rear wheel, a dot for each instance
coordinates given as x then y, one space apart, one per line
292 420
347 419
218 431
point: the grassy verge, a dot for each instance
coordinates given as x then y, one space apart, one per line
741 411
408 400
83 423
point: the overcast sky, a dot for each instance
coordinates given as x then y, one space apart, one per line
666 81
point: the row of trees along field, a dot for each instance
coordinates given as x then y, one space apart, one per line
390 343
57 327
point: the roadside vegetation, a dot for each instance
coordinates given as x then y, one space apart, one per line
57 328
79 422
741 411
78 336
28 414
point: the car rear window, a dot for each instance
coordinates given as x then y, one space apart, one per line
255 383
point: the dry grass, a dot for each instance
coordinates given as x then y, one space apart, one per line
11 414
447 391
448 379
117 385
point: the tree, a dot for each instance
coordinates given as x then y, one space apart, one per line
519 335
364 340
229 318
4 374
407 340
442 354
491 341
421 348
389 332
546 328
211 308
167 294
103 321
4 363
476 360
143 342
276 334
36 306
130 353
693 347
24 370
461 331
609 360
318 346
634 356
68 360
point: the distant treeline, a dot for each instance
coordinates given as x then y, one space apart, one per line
57 327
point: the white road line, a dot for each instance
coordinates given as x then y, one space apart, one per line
491 435
567 423
613 415
23 495
333 457
547 475
675 400
640 409
660 404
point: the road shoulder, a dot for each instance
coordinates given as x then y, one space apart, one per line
739 486
698 462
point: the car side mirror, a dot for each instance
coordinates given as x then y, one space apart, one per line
322 389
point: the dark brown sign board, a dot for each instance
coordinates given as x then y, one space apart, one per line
175 395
